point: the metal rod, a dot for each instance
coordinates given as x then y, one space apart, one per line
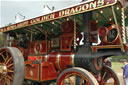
74 34
114 15
123 26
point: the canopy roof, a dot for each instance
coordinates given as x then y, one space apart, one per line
50 23
76 9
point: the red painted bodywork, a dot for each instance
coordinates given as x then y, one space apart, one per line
103 33
43 66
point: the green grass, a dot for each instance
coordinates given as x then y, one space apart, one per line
116 66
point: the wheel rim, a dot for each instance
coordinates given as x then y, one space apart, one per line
71 79
109 77
11 66
76 76
6 67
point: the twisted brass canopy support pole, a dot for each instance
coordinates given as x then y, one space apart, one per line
74 34
123 26
121 41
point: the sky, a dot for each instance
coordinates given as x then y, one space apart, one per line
29 8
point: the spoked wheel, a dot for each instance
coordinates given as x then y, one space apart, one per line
76 76
96 65
109 77
11 66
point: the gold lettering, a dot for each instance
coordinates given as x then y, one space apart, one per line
77 8
31 21
67 11
43 18
2 29
72 11
13 27
25 23
100 3
93 5
37 19
46 17
60 14
80 8
52 16
63 13
8 28
85 7
19 25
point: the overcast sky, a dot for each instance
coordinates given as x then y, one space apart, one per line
28 8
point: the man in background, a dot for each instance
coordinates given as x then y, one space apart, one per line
125 72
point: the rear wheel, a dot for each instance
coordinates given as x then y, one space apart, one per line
11 66
109 77
76 76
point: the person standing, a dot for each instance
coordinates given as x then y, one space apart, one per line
125 72
108 62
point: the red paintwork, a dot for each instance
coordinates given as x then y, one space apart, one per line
126 47
28 67
102 31
38 47
65 60
67 26
50 68
104 41
32 58
48 71
52 57
36 73
66 41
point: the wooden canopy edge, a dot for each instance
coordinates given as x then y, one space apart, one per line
77 9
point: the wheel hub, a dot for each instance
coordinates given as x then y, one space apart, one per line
3 69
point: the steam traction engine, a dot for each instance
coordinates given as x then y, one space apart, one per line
66 47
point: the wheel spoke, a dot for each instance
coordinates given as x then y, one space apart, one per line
74 80
63 83
4 81
104 76
1 78
2 52
10 65
8 60
10 78
70 81
109 75
6 55
10 71
81 82
3 57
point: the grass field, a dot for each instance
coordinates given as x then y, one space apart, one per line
116 66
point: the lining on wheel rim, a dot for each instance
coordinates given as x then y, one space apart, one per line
11 66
